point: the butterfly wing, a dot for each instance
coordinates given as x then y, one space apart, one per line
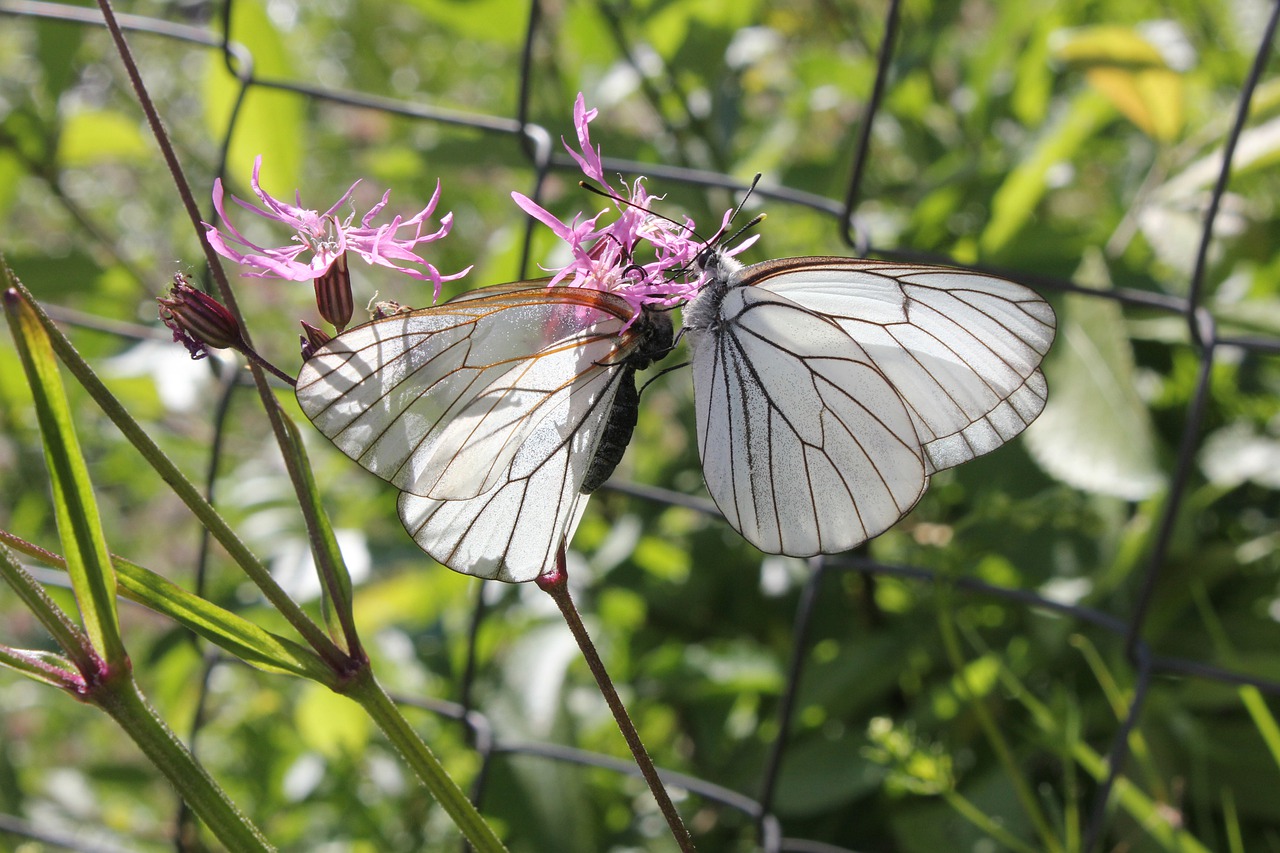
484 411
962 348
511 532
806 447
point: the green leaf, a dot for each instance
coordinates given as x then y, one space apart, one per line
331 724
269 122
11 173
100 136
46 667
1130 72
181 486
1015 202
1263 719
76 510
232 633
66 633
474 19
1095 433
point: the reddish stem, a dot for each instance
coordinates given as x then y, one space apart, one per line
556 584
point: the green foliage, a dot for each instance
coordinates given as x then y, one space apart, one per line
1066 139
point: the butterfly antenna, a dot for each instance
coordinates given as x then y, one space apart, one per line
755 220
617 199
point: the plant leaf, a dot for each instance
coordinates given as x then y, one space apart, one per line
1014 203
76 510
65 632
1095 433
45 667
1131 73
269 122
235 634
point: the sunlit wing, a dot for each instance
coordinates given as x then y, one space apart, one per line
511 533
485 412
962 348
438 401
806 446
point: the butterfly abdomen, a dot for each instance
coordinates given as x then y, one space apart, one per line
657 339
616 434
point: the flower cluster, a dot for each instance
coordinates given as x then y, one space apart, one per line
647 259
604 256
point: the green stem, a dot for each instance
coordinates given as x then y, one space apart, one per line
983 821
183 487
365 690
556 585
122 700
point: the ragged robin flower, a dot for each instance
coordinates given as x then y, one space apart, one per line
609 257
321 241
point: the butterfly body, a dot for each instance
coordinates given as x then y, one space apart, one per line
828 390
657 340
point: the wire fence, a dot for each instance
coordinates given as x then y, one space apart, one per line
544 157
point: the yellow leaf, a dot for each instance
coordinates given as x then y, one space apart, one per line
1129 71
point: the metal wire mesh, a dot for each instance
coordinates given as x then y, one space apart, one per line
544 157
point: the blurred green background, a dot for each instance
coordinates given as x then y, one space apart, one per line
1067 139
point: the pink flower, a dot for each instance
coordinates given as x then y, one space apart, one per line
321 238
605 257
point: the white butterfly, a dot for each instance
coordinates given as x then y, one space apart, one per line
828 390
493 413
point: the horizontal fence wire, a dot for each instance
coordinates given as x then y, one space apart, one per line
544 157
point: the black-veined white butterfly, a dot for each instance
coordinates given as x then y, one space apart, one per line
828 390
493 413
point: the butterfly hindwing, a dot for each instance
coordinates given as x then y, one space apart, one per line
511 532
962 348
806 447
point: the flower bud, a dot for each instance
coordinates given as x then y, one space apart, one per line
333 293
312 340
198 320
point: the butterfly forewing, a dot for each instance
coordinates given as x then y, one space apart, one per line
962 348
438 401
806 447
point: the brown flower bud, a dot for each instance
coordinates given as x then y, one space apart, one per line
312 340
198 320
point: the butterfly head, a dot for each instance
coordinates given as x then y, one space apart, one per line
713 264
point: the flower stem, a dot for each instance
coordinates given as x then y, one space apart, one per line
121 699
365 690
556 584
253 355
